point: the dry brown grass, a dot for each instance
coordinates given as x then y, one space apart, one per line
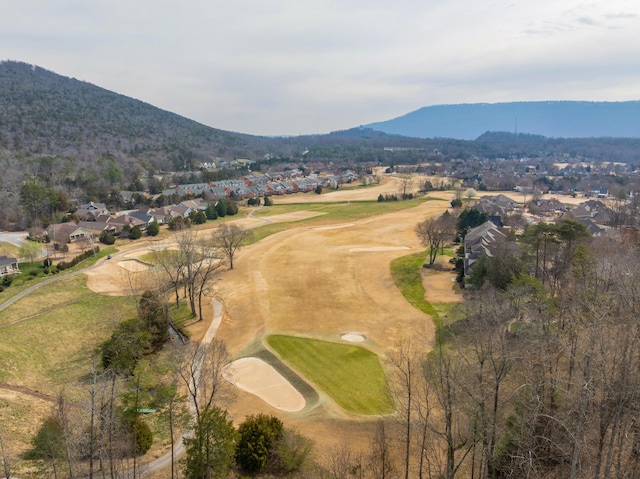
307 280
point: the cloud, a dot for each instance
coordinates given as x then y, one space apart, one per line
292 67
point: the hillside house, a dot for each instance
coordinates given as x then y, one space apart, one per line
488 238
8 266
68 232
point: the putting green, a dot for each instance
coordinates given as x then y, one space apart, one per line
351 375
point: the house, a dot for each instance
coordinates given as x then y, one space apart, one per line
93 206
488 238
147 218
125 219
98 227
68 232
8 266
196 204
594 210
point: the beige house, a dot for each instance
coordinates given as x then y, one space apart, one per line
68 232
8 266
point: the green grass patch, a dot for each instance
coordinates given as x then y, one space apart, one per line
25 280
8 249
351 375
406 275
405 272
331 213
54 346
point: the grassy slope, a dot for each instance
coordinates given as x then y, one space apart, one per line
405 272
53 346
339 370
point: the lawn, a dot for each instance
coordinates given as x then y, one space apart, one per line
351 375
24 280
53 346
405 272
332 213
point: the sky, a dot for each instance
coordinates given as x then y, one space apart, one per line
286 67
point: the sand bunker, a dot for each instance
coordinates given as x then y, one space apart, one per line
379 248
133 265
259 378
353 337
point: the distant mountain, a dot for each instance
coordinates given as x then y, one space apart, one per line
554 119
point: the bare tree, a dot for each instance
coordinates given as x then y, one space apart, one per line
230 238
5 460
406 363
406 186
435 232
343 463
197 260
203 371
381 455
172 263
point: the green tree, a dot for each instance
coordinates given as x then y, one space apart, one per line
153 312
106 238
153 229
199 218
210 451
470 219
258 436
135 233
30 251
221 208
125 347
140 432
34 198
211 213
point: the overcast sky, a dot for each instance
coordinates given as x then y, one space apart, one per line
287 67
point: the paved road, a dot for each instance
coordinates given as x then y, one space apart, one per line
15 239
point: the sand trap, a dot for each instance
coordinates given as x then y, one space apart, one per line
353 337
379 248
133 265
255 376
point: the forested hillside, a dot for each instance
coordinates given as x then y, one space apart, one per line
42 113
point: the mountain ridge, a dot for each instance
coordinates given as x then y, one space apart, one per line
552 119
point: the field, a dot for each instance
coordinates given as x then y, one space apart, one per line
319 270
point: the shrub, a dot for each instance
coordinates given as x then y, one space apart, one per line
153 229
258 437
106 238
33 272
292 452
135 233
141 434
1 288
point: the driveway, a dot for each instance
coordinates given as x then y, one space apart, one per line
15 239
